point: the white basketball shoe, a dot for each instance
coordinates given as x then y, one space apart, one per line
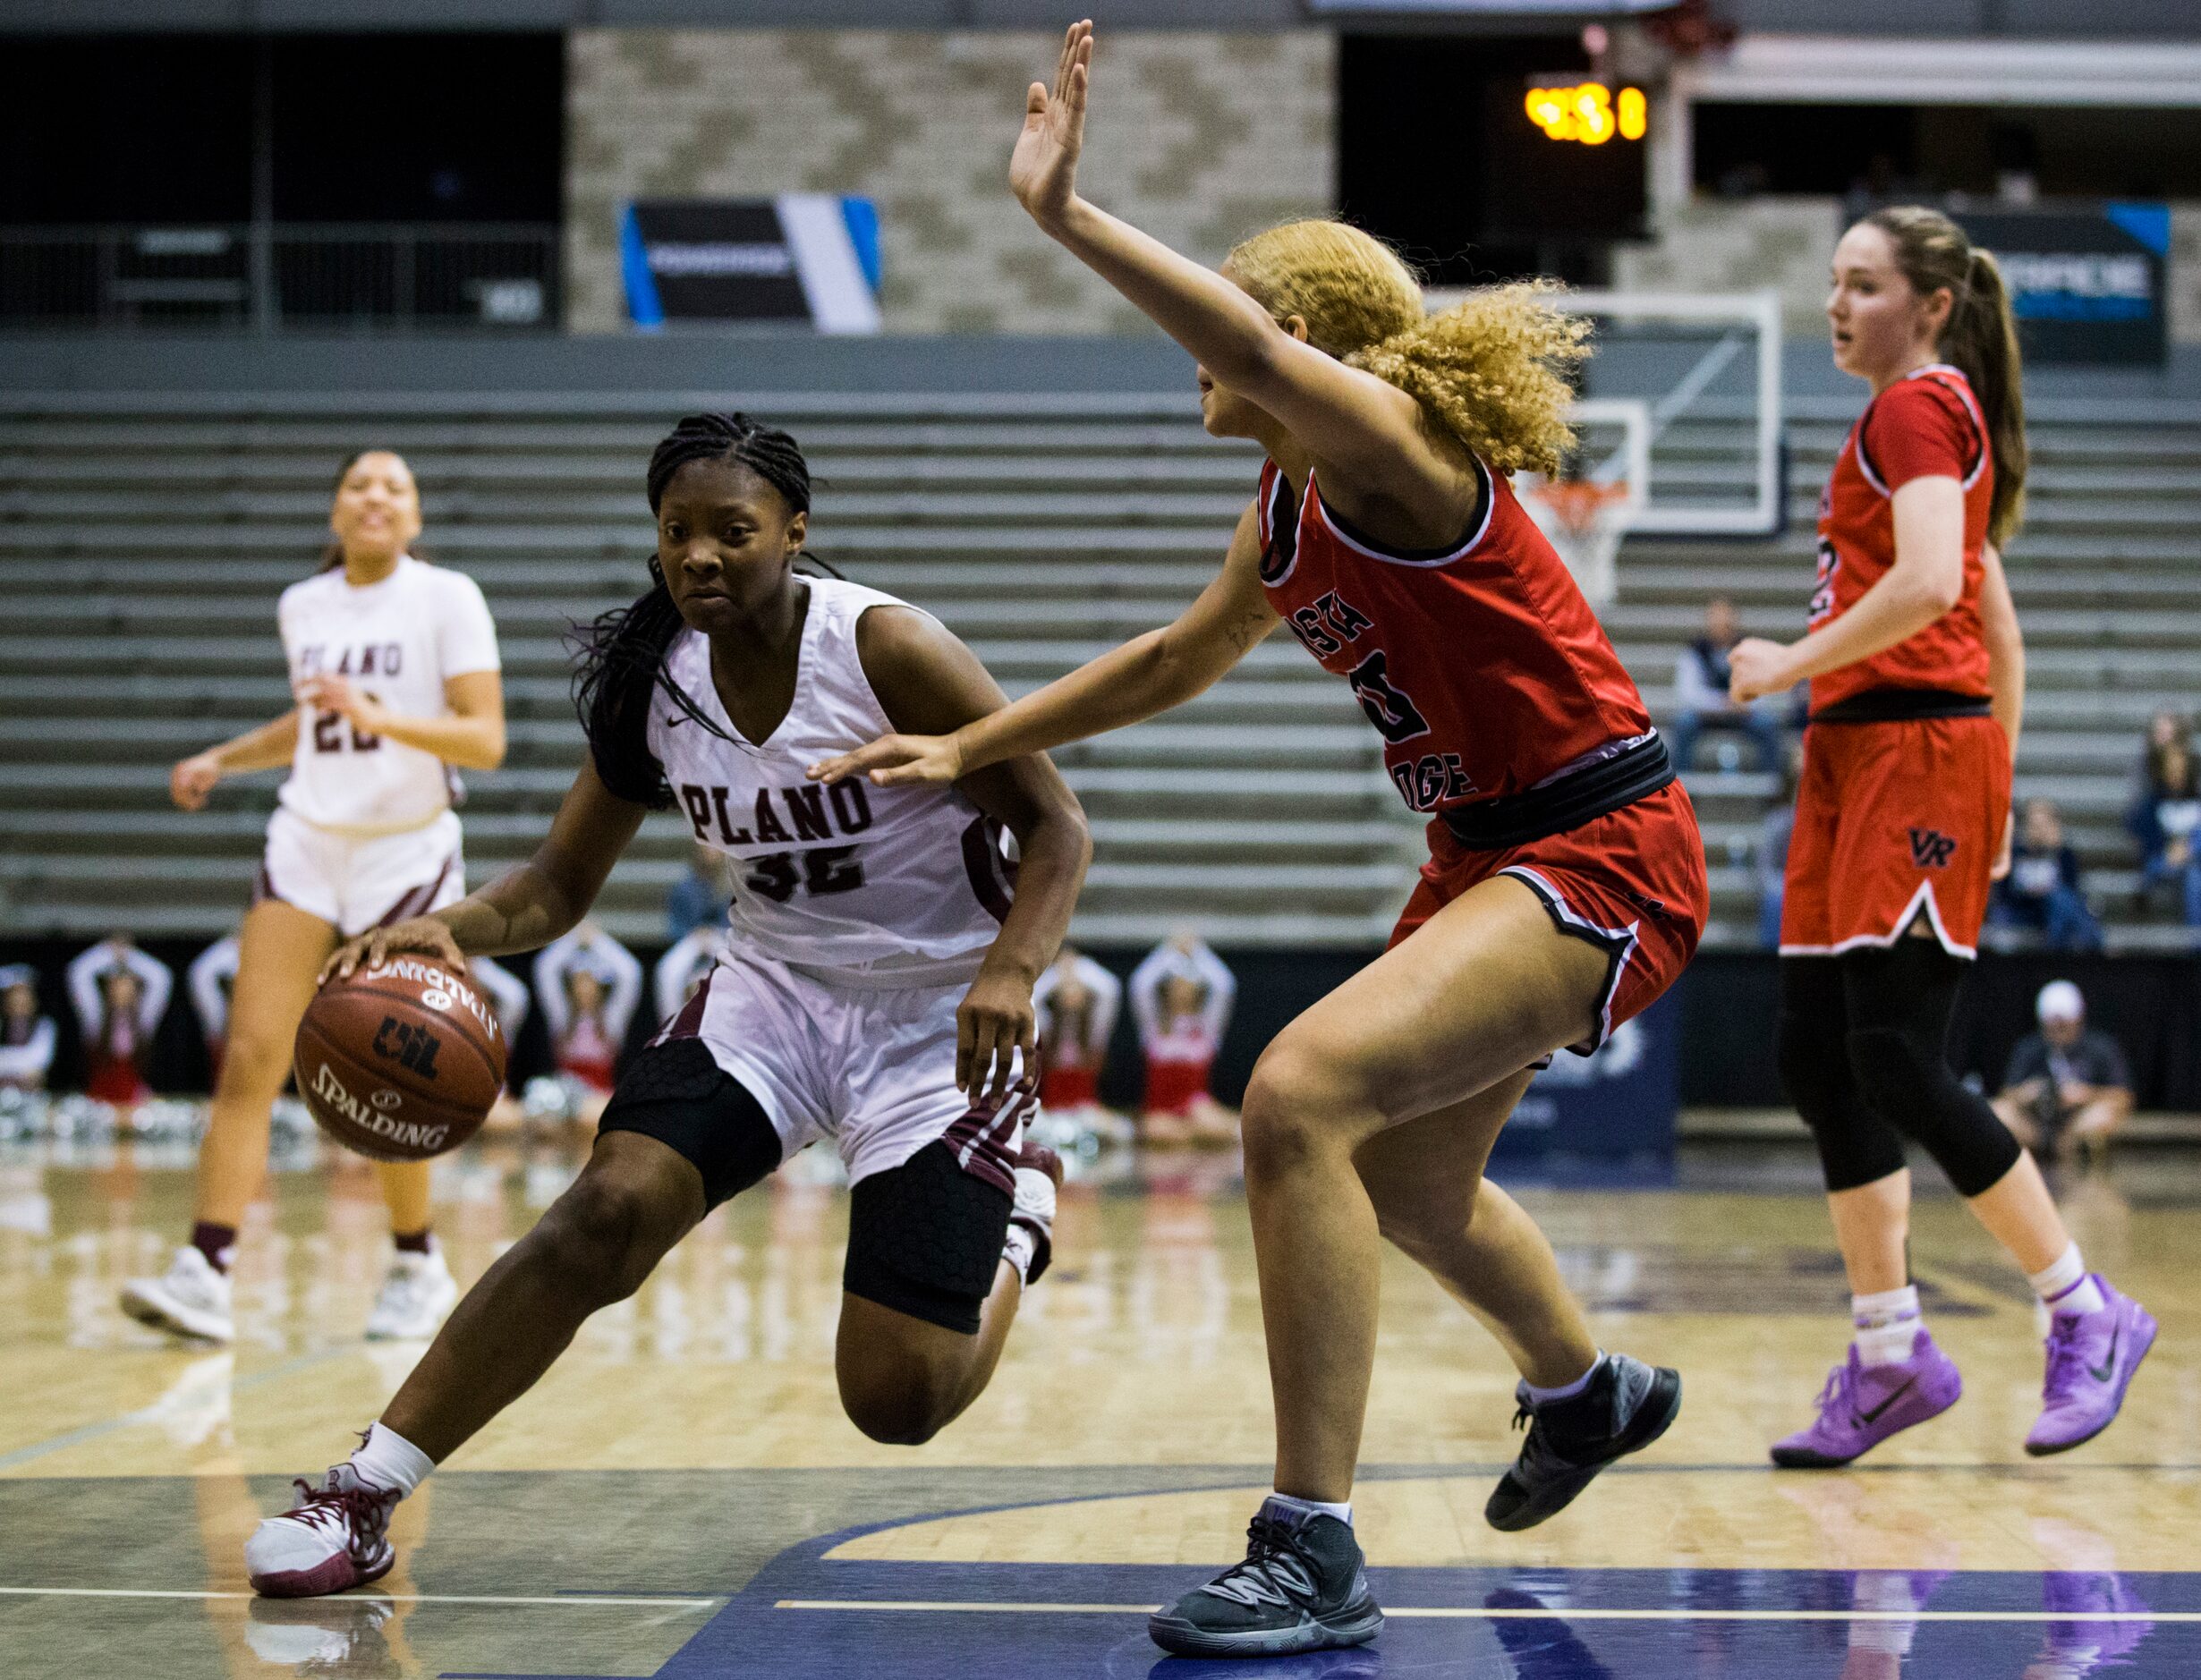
191 1298
417 1293
1032 1215
336 1536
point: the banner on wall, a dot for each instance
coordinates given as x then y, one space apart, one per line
2086 281
1620 1103
802 258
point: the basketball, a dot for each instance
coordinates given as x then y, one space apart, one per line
401 1062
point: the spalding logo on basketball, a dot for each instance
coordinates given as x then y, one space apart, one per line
400 1062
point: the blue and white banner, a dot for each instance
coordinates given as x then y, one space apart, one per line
1620 1104
800 257
2086 281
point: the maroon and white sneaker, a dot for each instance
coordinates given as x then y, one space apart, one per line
336 1537
1031 1216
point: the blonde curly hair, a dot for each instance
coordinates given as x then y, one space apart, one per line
1491 372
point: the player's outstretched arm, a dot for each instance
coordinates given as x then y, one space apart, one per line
1369 434
927 680
524 908
1148 675
2006 672
266 748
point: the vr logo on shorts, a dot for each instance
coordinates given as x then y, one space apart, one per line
1931 849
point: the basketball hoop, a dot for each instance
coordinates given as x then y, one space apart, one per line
1585 519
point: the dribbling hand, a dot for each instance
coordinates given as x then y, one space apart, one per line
192 779
1043 169
896 761
423 936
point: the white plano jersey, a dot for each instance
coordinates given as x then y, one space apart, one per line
862 885
400 640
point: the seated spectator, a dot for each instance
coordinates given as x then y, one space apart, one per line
699 899
2067 1089
2041 894
120 994
2166 812
1700 693
26 1036
1770 864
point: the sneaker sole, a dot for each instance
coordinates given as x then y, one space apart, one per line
1182 1639
2131 1371
1541 1511
1804 1458
161 1316
336 1575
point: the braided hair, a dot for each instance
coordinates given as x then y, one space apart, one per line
621 654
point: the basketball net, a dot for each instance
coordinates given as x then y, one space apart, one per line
1583 521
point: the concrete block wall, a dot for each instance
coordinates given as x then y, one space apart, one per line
1201 137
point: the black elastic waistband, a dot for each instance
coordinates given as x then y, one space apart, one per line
1514 819
1902 706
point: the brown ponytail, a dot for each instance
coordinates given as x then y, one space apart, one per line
1981 338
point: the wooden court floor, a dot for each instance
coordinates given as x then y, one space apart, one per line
681 1496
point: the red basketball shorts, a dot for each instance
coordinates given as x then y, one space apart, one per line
1631 882
1895 820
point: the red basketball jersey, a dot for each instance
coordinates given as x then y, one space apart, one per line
1481 664
1925 425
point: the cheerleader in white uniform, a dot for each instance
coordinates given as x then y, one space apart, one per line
1077 1000
394 667
589 984
26 1036
120 994
209 979
1181 996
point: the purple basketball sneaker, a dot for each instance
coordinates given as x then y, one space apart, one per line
1863 1404
2091 1359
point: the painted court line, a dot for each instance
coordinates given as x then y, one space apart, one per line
583 1601
1510 1614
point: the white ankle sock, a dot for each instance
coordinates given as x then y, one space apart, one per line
389 1460
1885 1326
1343 1512
2067 1287
1566 1391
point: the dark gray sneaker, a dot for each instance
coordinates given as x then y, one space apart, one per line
1300 1587
1627 1406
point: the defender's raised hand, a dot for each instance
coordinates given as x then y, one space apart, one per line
1043 169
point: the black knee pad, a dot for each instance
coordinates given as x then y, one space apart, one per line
925 1238
1856 1146
676 1093
1905 1077
1900 1002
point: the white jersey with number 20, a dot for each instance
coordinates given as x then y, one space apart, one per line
399 641
884 886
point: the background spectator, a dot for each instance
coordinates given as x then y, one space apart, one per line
1772 862
698 898
2166 812
2041 894
208 982
1700 693
26 1036
1077 1000
1181 996
588 984
2067 1089
681 970
120 994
